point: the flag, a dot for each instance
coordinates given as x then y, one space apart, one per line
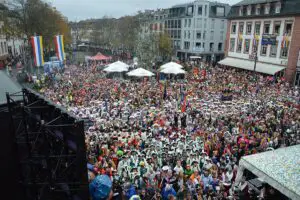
183 105
59 47
106 106
285 42
165 90
37 45
181 93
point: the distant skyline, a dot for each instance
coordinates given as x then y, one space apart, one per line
76 10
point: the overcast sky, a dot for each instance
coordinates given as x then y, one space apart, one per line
85 9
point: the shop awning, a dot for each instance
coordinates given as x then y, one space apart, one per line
279 168
249 65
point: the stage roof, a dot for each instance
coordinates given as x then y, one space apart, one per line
7 85
279 168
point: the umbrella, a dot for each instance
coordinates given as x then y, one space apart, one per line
175 70
140 72
171 65
117 67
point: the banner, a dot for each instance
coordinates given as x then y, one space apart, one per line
268 40
37 45
59 47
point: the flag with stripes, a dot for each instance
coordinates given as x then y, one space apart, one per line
38 54
59 47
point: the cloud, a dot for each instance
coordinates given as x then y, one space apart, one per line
85 9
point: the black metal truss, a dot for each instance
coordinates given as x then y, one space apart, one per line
50 144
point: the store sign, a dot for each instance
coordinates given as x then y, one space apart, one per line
268 40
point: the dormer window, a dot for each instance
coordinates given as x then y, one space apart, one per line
277 7
257 10
241 11
249 10
267 9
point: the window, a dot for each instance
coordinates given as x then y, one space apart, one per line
249 28
241 27
222 24
211 46
233 28
205 10
179 23
5 47
267 9
203 45
186 45
199 23
204 34
205 21
198 45
273 51
199 10
247 46
198 35
212 24
156 17
277 27
267 28
277 7
284 50
263 51
179 34
239 46
257 28
249 10
189 34
212 35
220 46
222 35
288 28
220 11
257 10
232 44
184 34
241 11
185 22
190 22
175 25
190 10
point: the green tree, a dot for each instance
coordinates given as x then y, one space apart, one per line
36 17
165 46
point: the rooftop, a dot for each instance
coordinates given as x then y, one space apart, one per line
7 85
288 8
279 168
249 2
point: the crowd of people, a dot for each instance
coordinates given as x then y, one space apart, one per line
176 139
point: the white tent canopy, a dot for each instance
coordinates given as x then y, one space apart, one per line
279 168
171 65
140 72
175 70
117 67
249 65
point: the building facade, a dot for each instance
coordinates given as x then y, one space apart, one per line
198 29
264 35
3 41
152 21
